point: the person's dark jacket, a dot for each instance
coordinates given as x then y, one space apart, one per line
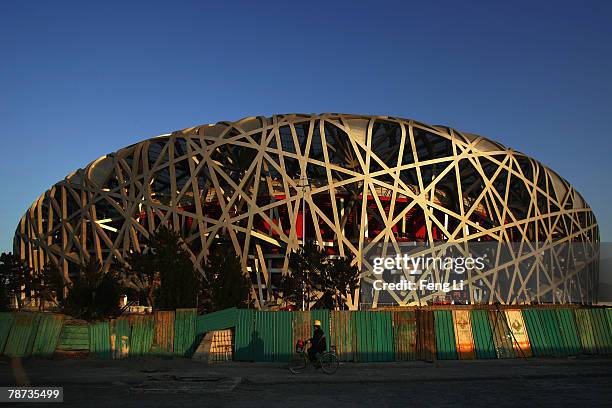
318 342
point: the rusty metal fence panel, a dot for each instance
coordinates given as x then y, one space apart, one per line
300 326
404 335
323 316
343 334
163 342
464 339
520 337
426 341
502 337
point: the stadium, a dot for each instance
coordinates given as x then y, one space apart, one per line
358 186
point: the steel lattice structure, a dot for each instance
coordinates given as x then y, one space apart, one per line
366 180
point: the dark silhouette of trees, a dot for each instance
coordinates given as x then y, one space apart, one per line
224 283
178 280
5 299
48 286
316 279
14 277
162 275
300 287
138 276
93 293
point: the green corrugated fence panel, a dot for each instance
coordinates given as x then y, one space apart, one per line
585 330
6 323
601 331
343 334
385 336
557 341
74 337
548 348
143 332
32 337
272 335
185 332
100 340
263 337
223 319
569 331
48 334
374 332
362 333
22 335
608 315
283 346
541 335
446 348
323 316
552 332
536 332
483 335
245 338
404 335
120 333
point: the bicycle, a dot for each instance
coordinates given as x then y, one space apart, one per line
326 361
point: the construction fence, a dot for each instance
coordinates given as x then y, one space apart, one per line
425 333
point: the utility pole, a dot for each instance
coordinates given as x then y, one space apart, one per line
303 184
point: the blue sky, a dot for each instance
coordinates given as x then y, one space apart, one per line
81 79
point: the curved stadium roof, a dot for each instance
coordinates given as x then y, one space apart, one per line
366 181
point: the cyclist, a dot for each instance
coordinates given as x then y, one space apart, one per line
318 344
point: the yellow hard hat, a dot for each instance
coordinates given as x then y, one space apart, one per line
317 323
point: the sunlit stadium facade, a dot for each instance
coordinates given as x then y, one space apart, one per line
363 181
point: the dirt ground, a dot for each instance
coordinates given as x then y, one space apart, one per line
581 382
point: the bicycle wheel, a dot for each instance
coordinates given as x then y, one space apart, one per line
297 364
329 363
